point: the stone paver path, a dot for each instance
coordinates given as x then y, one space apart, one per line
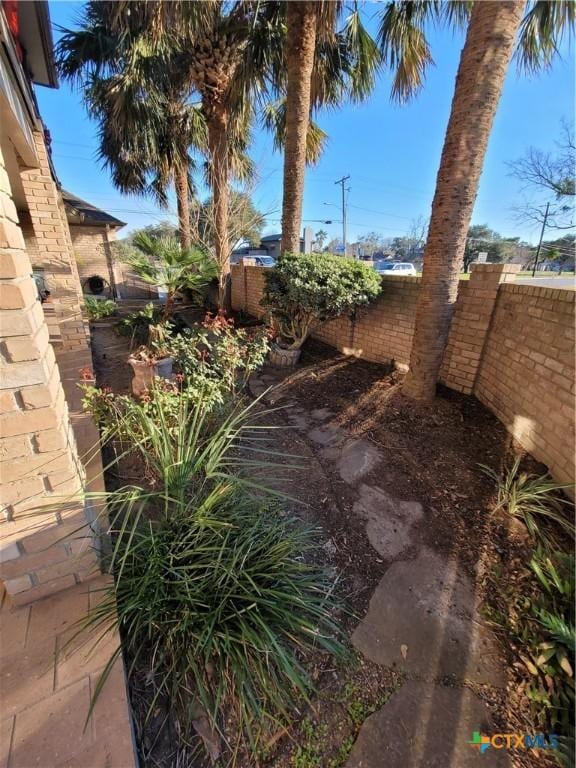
422 619
425 726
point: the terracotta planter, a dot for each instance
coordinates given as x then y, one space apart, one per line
144 373
283 358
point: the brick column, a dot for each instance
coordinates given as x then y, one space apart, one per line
471 322
41 477
53 248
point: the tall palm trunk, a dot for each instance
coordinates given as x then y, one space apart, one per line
302 18
483 65
183 205
219 165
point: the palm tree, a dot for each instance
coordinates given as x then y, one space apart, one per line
163 262
322 67
490 42
146 125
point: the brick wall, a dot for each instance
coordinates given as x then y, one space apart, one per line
527 372
51 251
42 479
510 345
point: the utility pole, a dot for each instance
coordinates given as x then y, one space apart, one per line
541 238
342 181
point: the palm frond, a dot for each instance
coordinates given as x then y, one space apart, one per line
541 32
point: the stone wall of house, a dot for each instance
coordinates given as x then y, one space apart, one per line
511 345
41 499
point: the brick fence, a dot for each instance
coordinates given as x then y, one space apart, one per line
510 345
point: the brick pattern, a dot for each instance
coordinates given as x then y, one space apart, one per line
527 373
47 678
471 324
41 495
52 250
510 345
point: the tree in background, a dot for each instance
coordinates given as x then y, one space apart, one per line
320 67
320 238
245 222
371 245
492 31
147 128
548 173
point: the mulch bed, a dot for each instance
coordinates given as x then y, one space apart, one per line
431 455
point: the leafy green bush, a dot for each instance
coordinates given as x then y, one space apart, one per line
97 309
212 594
536 500
218 353
304 290
137 324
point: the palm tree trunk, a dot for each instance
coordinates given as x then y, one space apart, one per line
301 19
217 146
183 205
483 65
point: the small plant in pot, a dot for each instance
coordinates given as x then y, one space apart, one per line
153 359
305 290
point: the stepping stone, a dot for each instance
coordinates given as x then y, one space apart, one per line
326 435
389 521
321 414
422 619
357 459
427 726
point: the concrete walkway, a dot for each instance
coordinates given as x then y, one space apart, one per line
423 618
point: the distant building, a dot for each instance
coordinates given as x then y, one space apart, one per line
270 246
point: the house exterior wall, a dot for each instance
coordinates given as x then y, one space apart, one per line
51 251
42 477
510 345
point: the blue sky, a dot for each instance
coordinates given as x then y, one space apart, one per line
391 152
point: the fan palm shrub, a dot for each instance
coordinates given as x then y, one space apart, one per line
214 594
163 262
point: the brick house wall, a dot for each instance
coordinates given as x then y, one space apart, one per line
50 249
41 498
510 345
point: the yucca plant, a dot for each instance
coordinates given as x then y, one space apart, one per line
534 499
212 593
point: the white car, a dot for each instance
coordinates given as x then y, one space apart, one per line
395 268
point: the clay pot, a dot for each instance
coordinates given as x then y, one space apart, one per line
283 358
145 371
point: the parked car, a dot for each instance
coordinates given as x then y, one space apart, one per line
395 268
259 260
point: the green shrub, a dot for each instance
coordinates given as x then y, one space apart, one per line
97 309
212 592
137 324
218 353
304 290
534 499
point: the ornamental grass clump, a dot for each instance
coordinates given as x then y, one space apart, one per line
213 592
305 290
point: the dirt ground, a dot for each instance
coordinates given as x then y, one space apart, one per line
431 453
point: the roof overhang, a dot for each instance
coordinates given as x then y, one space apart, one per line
36 38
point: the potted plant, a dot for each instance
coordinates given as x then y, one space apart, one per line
153 359
304 290
165 264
